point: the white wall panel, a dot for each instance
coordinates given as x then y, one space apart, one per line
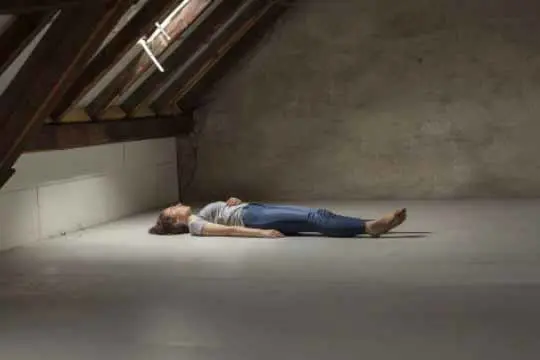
19 223
62 191
159 151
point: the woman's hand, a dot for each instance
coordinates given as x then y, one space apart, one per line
271 234
233 201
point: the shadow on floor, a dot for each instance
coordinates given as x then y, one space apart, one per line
406 235
399 236
391 235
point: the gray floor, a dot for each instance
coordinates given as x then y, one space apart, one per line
460 281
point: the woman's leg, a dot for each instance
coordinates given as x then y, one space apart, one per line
290 220
335 225
297 219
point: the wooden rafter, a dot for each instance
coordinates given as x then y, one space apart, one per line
141 24
204 61
26 6
185 20
6 174
75 135
69 43
19 34
194 97
197 38
100 104
127 76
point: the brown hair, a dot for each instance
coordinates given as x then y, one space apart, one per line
166 225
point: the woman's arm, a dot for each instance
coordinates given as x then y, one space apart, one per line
211 229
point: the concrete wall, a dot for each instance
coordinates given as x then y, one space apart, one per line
381 99
61 191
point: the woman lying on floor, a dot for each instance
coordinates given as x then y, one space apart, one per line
236 218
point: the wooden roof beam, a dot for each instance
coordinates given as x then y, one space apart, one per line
26 6
194 97
83 134
104 99
197 38
141 24
6 174
122 80
201 63
58 59
19 34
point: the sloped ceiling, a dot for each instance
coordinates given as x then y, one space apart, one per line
109 76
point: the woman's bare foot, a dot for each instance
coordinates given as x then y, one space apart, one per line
382 226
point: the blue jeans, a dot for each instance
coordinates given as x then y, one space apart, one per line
293 220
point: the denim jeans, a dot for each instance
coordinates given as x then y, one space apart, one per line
292 220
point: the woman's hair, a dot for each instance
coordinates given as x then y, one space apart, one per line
166 225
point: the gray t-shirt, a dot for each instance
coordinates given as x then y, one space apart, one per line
217 213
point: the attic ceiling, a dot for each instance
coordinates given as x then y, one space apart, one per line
86 72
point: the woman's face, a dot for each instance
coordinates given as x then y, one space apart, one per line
180 213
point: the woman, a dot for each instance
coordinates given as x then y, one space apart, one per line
236 218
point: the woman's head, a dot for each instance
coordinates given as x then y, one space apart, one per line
172 220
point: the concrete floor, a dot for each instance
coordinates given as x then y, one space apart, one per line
460 281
